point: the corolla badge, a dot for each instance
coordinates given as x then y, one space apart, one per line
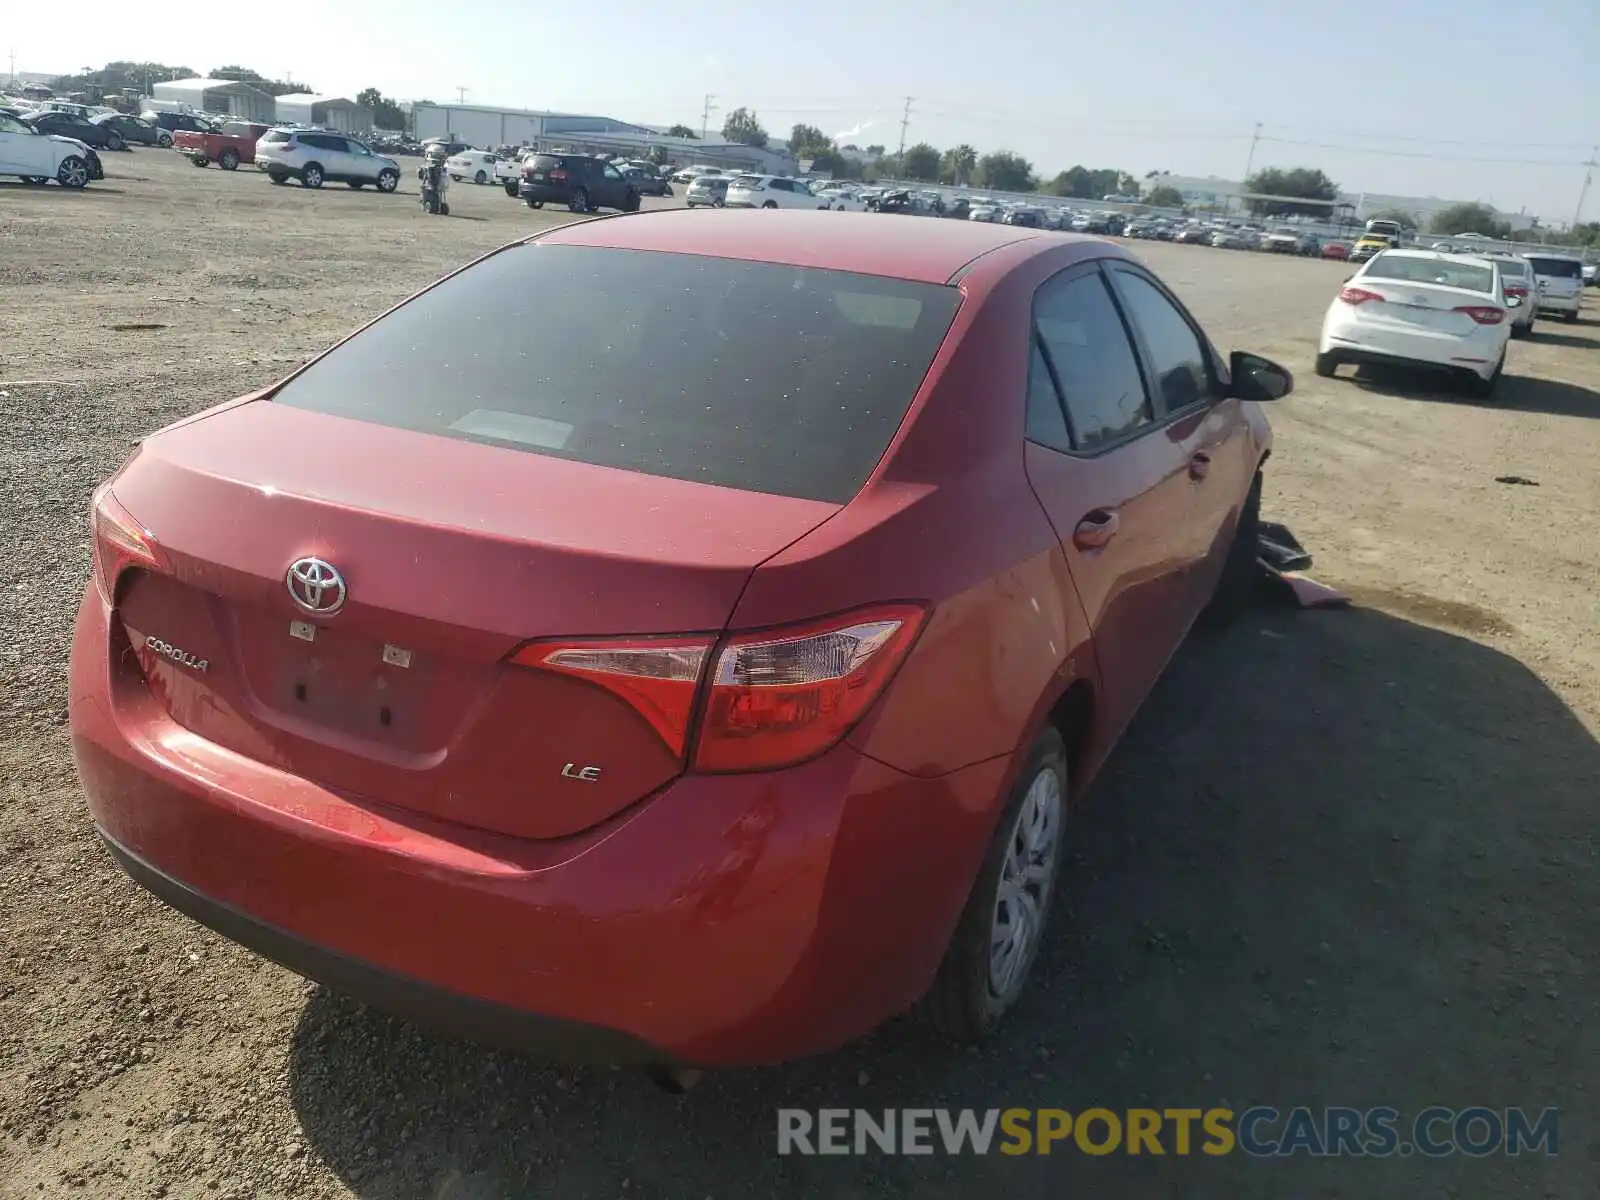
182 657
316 586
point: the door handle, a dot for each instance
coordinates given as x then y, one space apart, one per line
1096 529
1199 464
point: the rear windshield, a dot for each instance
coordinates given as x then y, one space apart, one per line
546 162
1446 272
1559 268
1513 266
277 135
785 380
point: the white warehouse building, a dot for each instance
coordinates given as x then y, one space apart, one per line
241 101
487 128
325 112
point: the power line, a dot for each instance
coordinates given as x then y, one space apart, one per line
905 120
1466 158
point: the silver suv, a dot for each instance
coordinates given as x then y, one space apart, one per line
313 155
1560 283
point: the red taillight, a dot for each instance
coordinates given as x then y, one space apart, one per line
1483 314
657 676
1355 295
119 541
1518 292
782 696
772 698
558 176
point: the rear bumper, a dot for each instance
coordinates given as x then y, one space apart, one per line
1561 304
724 920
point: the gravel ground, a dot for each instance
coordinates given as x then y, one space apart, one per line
1341 857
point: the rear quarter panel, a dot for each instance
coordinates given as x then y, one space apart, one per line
949 518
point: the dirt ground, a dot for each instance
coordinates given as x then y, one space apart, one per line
1341 857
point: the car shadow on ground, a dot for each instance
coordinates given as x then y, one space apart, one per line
1336 860
1518 393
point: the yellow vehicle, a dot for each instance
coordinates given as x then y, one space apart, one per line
1369 244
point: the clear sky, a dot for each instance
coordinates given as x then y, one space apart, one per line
1397 96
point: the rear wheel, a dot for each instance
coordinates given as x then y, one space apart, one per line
511 189
1483 388
114 142
480 177
770 204
228 160
199 160
997 938
1572 318
532 203
277 177
630 202
1326 365
579 202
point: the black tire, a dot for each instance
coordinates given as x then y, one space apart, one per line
1484 389
278 177
114 142
355 185
388 180
444 209
532 203
630 202
1572 318
511 189
667 191
164 140
228 160
35 180
1326 365
73 172
311 175
963 1004
719 204
770 204
199 160
579 203
480 178
1237 582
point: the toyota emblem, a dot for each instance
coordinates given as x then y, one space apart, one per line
316 586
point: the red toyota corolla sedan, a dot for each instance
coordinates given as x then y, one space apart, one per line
673 639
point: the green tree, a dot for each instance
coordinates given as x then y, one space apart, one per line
920 162
1127 185
1081 183
875 151
1299 181
114 76
1164 196
682 131
959 163
275 87
743 127
831 162
386 114
1006 171
1470 218
806 140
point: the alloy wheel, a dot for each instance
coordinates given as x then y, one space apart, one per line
1026 877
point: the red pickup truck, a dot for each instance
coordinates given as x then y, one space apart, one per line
228 145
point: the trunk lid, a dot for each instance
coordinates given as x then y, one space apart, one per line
453 553
1421 306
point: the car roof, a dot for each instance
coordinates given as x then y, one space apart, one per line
926 251
1439 256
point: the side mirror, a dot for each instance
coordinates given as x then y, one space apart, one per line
1256 378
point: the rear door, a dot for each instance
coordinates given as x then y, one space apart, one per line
613 187
1208 427
1114 482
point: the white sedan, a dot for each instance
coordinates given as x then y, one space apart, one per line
39 157
841 199
1422 308
769 191
476 165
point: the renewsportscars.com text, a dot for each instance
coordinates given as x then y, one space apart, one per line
1261 1131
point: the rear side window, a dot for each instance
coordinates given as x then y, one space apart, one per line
748 375
1177 358
277 135
1557 268
1088 352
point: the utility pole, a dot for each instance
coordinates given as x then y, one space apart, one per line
705 116
461 94
905 119
1588 178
